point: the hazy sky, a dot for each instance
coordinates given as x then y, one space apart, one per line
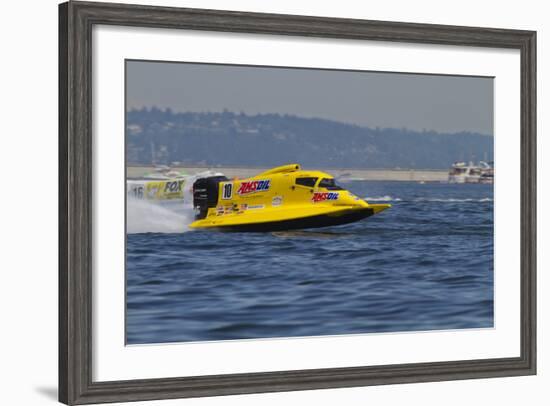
370 99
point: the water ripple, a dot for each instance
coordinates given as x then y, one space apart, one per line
424 264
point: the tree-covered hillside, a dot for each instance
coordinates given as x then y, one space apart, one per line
230 139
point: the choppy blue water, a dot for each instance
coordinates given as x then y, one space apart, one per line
424 264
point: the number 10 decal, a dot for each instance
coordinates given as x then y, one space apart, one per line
227 191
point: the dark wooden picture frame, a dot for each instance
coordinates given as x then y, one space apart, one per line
76 20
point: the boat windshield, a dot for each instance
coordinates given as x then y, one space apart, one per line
329 184
309 182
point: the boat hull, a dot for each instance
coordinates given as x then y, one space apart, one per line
317 221
291 220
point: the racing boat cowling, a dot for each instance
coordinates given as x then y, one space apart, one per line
282 198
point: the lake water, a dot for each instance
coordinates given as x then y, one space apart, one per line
424 264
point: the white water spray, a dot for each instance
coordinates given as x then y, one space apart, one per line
145 216
163 216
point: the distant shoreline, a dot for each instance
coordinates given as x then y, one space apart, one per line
403 175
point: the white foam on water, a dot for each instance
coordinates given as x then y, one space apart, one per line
427 199
145 216
454 200
382 199
163 216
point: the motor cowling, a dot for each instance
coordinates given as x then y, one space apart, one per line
205 194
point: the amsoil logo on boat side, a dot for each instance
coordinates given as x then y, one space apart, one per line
254 186
323 196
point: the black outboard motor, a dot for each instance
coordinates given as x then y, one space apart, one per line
205 194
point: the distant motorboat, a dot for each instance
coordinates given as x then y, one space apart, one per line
462 172
164 172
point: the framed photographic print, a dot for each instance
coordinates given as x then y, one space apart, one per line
257 202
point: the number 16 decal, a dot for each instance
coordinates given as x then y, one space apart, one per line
227 191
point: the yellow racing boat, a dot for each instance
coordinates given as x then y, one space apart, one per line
282 198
